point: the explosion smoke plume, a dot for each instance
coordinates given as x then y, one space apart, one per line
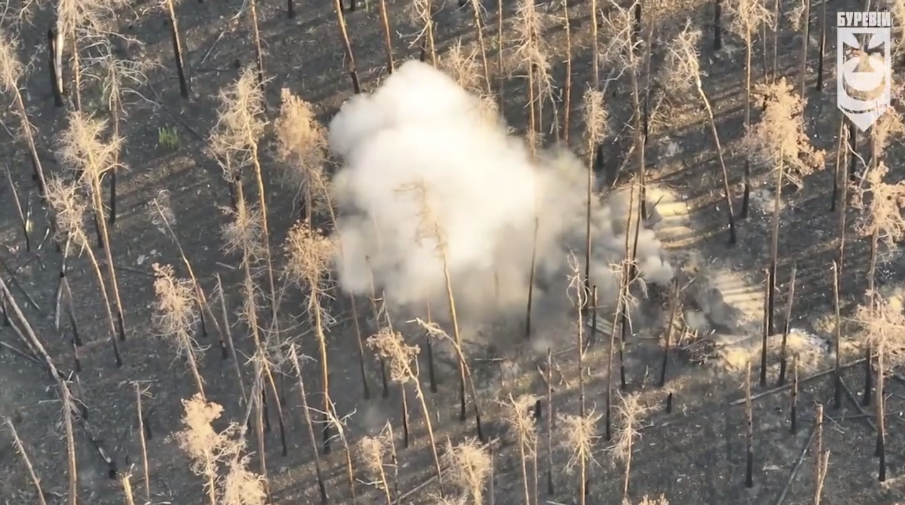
420 127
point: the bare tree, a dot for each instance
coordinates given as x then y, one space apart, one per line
579 437
176 316
404 368
748 16
780 143
683 74
309 255
11 72
20 447
469 466
518 417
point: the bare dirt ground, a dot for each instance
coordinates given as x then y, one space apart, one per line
694 455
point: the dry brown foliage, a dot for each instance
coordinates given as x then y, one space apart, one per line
629 414
198 438
780 136
244 231
391 346
579 437
469 466
682 67
92 17
616 28
661 500
82 147
519 416
887 127
309 254
532 50
883 324
796 14
241 486
301 143
463 67
372 451
233 140
176 311
117 76
595 116
897 9
884 207
747 16
69 211
205 446
11 68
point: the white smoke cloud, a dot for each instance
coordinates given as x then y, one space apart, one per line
420 128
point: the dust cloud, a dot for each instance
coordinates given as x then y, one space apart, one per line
420 142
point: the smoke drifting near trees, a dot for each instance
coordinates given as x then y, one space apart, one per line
420 129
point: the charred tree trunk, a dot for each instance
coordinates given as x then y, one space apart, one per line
185 89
